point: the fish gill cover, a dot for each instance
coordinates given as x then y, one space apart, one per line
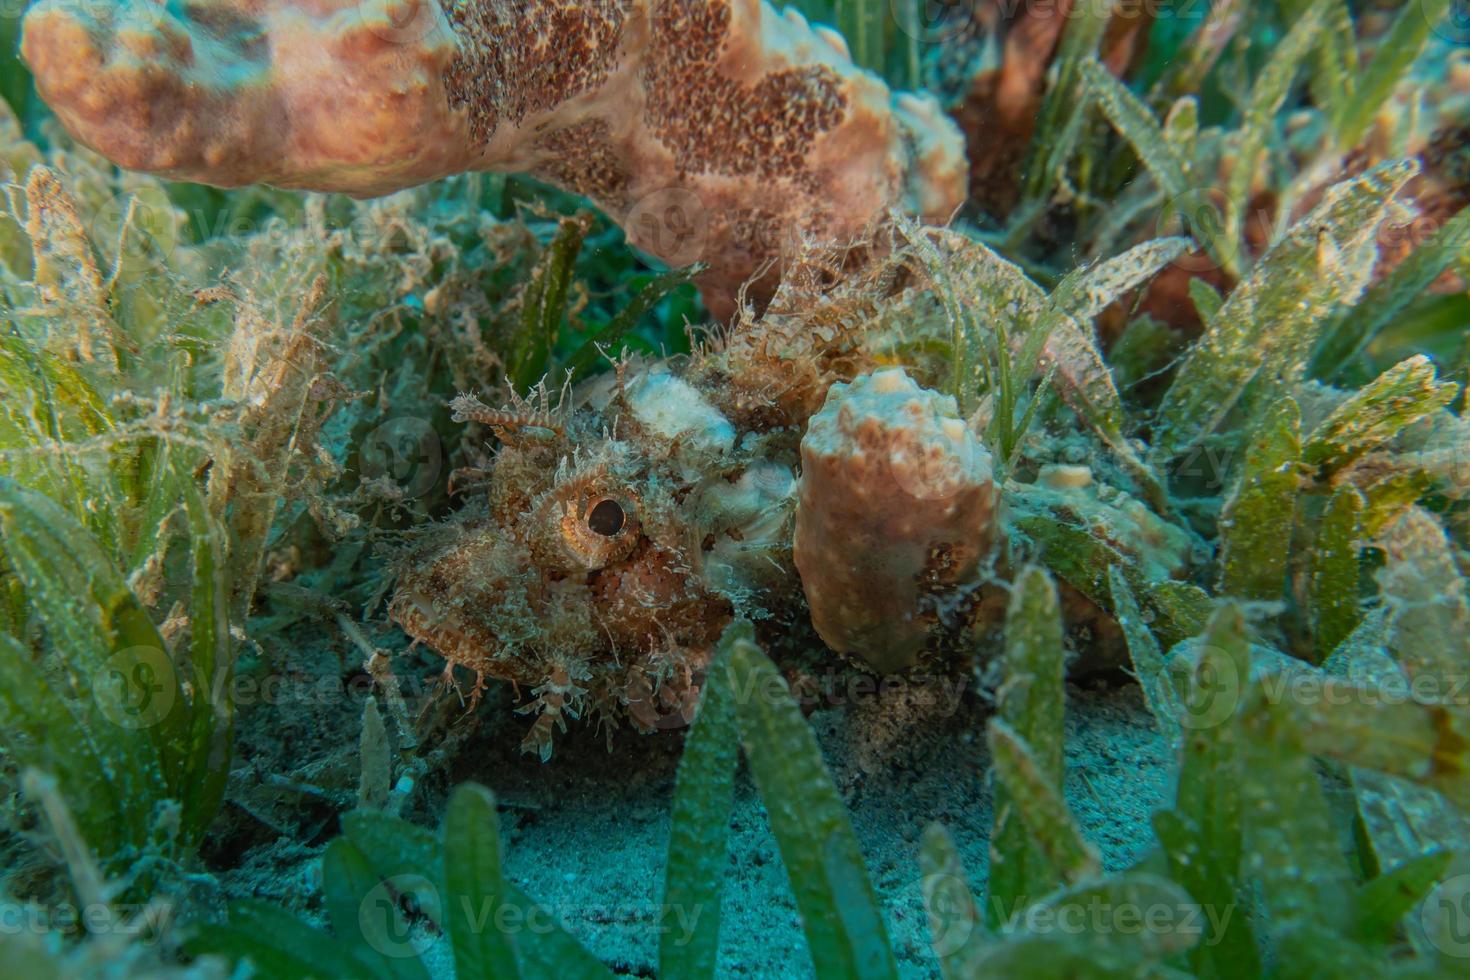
1030 436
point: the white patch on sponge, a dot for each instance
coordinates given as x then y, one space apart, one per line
674 409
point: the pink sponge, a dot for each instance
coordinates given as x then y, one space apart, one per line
897 502
714 130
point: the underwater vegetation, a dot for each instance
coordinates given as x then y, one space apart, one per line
1174 399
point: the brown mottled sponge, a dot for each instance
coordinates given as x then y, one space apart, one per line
897 503
714 130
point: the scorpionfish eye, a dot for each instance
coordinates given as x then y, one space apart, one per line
606 517
582 527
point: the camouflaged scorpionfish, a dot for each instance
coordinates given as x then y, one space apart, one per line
619 534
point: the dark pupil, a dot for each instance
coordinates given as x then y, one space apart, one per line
606 518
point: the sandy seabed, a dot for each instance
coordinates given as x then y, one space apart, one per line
585 834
